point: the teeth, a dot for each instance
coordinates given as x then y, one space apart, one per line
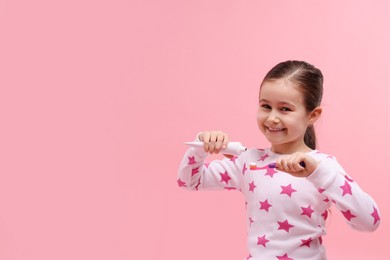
275 129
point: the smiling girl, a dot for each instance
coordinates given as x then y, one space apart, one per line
286 207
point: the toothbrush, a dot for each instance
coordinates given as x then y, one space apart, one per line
233 148
273 165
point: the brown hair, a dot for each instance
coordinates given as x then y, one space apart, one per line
309 79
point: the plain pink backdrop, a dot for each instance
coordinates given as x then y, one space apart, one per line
97 98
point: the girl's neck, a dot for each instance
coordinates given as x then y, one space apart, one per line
290 149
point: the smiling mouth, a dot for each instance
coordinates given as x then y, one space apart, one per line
275 130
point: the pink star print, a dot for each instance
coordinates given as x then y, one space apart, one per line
270 172
225 177
307 211
197 185
348 178
284 257
288 190
191 160
285 226
346 188
262 241
321 190
252 186
375 215
265 205
263 157
194 171
250 221
348 215
244 169
181 183
325 214
233 159
306 242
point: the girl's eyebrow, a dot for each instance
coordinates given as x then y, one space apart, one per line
280 103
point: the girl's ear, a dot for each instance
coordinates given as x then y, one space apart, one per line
314 115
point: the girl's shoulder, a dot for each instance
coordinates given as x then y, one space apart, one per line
321 155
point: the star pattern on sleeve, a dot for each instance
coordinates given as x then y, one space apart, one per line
263 157
191 160
225 177
306 242
197 185
375 215
233 159
251 221
252 186
325 214
244 169
262 241
285 226
348 215
348 178
307 211
265 205
181 183
194 171
288 190
346 188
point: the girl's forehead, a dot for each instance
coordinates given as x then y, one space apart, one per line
281 90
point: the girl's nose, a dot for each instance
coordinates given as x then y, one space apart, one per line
273 118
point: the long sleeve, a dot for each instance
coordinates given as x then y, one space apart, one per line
195 174
359 209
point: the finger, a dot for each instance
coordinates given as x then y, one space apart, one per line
206 140
294 163
284 164
225 141
291 166
278 164
211 147
219 142
299 160
213 136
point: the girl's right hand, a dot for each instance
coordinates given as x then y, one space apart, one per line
214 141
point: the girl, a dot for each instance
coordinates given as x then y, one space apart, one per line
286 207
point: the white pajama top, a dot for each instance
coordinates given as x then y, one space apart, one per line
285 214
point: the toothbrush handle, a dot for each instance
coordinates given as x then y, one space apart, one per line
273 165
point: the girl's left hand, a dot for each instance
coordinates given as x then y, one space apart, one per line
291 164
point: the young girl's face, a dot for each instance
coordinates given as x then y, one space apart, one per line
282 116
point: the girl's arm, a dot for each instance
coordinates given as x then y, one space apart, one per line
195 174
359 209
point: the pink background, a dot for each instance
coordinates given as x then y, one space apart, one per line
97 98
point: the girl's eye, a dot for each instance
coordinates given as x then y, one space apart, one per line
265 106
284 109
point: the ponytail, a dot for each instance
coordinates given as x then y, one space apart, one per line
310 137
